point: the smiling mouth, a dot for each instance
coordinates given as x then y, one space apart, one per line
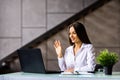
72 39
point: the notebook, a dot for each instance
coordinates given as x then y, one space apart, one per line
31 61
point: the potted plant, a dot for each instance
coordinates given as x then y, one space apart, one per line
107 60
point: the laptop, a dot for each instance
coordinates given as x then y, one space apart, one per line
31 61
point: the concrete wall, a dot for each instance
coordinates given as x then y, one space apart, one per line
23 20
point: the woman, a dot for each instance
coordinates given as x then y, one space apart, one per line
80 55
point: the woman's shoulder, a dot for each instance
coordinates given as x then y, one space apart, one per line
87 45
69 48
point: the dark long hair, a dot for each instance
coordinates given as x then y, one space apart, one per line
81 33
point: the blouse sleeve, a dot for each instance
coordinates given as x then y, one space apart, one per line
61 63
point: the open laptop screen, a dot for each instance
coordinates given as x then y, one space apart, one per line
31 60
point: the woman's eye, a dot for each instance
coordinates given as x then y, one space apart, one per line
74 32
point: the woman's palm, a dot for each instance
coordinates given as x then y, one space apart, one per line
58 47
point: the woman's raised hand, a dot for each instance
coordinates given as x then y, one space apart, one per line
58 48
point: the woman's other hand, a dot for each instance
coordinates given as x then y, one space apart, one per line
58 48
70 70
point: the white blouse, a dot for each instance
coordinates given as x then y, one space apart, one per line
84 60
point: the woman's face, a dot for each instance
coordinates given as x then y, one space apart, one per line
73 35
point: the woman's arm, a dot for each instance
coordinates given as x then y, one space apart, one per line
58 49
90 60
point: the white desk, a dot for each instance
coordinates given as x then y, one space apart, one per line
33 76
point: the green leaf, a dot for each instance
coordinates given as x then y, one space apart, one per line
107 58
